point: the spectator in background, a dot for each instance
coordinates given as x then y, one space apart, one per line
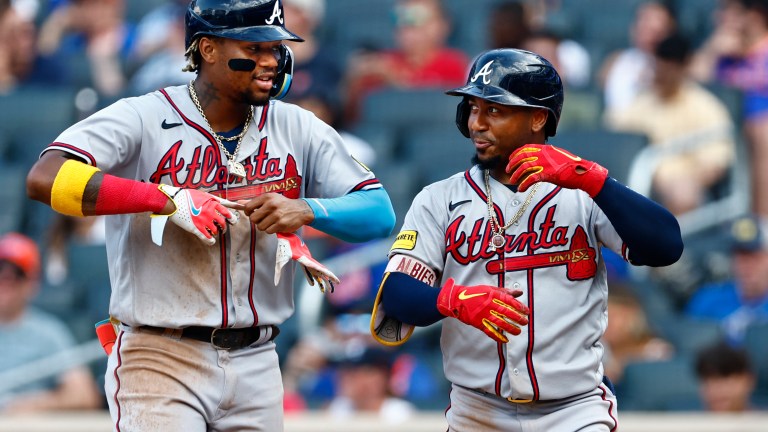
317 74
96 28
19 62
313 364
17 36
310 366
422 58
509 26
628 337
743 300
625 73
65 230
736 54
316 68
674 111
363 386
27 334
328 109
157 57
570 58
155 29
726 378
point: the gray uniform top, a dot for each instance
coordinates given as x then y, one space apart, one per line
162 138
552 254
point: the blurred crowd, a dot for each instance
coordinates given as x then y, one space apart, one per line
689 76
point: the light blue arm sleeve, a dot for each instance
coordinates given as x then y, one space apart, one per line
355 217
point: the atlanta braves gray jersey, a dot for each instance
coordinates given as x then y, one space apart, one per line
552 254
162 138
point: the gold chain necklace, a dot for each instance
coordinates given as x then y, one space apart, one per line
497 241
235 167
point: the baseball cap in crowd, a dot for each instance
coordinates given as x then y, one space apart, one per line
22 252
368 356
749 233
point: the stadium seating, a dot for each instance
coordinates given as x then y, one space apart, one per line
659 386
616 151
756 343
13 196
441 151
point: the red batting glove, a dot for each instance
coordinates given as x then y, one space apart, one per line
542 162
197 212
292 247
490 309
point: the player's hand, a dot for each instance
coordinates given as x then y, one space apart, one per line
292 247
491 309
197 212
273 213
533 163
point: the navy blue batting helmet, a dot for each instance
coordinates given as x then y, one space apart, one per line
512 77
246 20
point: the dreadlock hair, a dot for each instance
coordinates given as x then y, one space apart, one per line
193 57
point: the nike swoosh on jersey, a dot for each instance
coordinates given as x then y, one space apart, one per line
452 205
167 125
464 296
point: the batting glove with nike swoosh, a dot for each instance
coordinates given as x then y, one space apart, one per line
543 162
198 212
491 309
291 246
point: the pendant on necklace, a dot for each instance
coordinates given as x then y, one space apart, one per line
236 168
497 241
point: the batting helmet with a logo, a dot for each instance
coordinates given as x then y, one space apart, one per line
252 21
512 77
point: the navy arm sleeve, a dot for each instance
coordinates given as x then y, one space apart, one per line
650 231
410 300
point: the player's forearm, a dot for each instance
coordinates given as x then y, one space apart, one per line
356 217
650 231
409 300
74 188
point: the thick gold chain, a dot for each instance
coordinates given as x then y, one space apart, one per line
239 137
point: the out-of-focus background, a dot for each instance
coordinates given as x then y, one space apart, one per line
670 96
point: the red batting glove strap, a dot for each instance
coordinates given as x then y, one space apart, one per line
546 163
120 196
490 309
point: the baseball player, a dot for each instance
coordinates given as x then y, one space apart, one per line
211 171
510 249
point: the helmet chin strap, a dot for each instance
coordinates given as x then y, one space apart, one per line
242 65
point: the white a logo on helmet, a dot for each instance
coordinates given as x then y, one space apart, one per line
276 14
484 72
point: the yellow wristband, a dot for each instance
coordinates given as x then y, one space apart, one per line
69 187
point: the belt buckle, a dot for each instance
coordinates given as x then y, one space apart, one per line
225 339
519 401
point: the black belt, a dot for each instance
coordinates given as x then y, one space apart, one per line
223 338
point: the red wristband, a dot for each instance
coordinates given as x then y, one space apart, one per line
120 196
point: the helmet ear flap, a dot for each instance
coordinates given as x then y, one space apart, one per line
284 76
462 117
